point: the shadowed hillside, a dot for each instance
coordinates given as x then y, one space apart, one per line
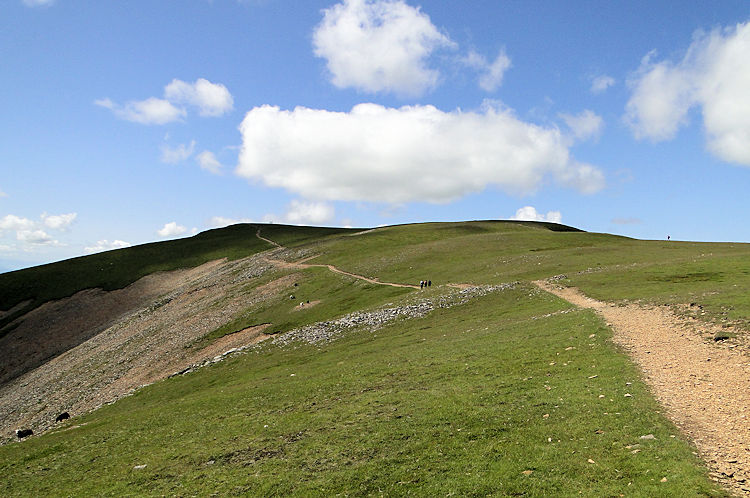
49 309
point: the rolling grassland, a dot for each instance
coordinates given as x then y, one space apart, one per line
482 384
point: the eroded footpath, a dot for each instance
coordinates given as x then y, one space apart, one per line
703 386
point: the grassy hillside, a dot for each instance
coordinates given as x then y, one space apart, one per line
512 393
480 399
606 266
116 269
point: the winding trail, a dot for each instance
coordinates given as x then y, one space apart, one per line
257 234
302 265
703 386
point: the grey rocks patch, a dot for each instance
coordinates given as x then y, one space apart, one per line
370 321
373 320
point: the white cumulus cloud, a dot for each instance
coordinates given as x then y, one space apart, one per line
171 229
149 111
106 245
584 125
413 153
58 221
379 46
207 160
714 76
529 213
13 222
35 237
211 99
308 213
174 155
601 83
31 233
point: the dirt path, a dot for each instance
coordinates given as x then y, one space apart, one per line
703 386
302 265
257 234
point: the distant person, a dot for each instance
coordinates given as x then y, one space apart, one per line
429 283
668 238
421 284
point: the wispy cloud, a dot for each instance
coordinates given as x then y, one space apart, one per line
490 73
211 99
174 155
207 161
151 111
585 125
601 83
38 3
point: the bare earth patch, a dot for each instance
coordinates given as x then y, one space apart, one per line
304 306
702 385
98 346
461 286
57 326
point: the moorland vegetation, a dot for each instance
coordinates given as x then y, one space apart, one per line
512 392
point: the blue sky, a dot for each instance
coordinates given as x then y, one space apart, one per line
124 123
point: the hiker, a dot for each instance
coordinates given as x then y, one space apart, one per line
429 283
421 284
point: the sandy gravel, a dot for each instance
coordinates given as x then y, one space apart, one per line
703 385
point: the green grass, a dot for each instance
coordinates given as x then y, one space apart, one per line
462 401
116 269
338 295
295 236
716 277
607 267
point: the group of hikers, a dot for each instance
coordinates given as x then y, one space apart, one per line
425 283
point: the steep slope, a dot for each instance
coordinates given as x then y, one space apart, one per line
50 309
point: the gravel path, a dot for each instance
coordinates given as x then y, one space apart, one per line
702 385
